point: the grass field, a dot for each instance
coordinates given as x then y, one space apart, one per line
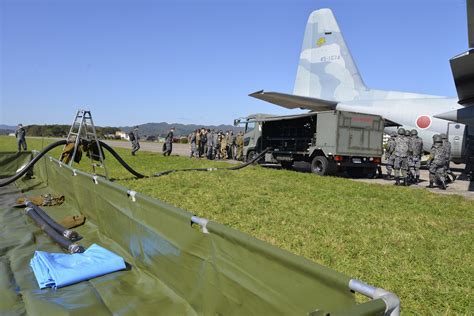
414 243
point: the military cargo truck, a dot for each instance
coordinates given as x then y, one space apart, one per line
331 141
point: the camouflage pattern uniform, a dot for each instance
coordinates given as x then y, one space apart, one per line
192 141
437 163
417 151
410 155
215 144
239 141
223 146
135 139
210 144
198 143
203 145
447 153
169 143
390 154
402 150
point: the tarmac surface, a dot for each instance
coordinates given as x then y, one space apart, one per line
459 187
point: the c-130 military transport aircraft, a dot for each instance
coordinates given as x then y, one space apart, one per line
328 79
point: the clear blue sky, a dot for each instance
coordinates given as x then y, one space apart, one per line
192 61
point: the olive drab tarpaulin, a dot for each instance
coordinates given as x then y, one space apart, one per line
175 269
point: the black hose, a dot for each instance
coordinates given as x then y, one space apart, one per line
32 162
53 234
122 162
69 234
255 159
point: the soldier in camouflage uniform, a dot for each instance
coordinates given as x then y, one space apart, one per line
402 150
210 144
410 177
224 146
192 142
447 153
390 154
198 143
437 163
417 151
239 141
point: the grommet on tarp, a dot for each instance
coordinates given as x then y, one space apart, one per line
201 222
74 173
131 194
60 164
95 179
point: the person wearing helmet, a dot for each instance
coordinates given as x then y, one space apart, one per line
402 150
410 177
437 162
390 154
417 151
447 152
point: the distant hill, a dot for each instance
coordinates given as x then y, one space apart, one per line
6 129
161 129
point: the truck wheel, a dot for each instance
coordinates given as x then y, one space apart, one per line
319 165
286 164
251 155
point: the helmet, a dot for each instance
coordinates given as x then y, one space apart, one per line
443 136
393 134
407 132
437 139
414 132
401 131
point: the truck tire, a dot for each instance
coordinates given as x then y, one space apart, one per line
286 164
320 165
250 155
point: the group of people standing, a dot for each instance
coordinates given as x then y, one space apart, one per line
216 144
403 154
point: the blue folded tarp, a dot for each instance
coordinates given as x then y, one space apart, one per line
59 269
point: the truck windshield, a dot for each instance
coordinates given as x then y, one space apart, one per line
250 126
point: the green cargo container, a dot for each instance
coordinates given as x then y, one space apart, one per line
179 264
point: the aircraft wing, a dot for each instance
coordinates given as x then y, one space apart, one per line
291 101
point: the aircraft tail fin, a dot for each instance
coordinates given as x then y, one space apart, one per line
326 69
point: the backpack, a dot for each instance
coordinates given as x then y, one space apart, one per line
131 136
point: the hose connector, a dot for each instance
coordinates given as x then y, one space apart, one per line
75 248
71 235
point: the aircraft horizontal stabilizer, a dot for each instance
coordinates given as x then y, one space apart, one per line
291 101
463 116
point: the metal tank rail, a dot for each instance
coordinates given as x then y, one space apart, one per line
392 302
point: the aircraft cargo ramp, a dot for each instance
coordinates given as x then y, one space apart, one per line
175 268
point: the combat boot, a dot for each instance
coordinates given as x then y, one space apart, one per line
405 182
442 185
397 181
417 179
431 185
